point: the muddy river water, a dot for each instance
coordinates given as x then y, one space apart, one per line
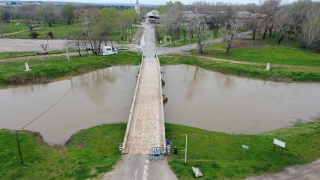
197 97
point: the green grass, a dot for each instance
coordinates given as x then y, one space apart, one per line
4 55
219 155
59 30
266 51
56 67
93 151
89 153
276 74
181 42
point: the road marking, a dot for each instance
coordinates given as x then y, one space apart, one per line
147 161
145 172
136 174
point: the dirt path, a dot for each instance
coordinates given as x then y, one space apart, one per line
309 171
255 64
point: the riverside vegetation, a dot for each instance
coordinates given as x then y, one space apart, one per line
90 152
56 67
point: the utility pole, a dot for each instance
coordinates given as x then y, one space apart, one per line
185 151
19 148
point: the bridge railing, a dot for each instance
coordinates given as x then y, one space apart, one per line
162 118
132 108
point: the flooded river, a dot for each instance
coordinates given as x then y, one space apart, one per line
197 97
62 108
218 102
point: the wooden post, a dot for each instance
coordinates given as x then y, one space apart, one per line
274 147
19 148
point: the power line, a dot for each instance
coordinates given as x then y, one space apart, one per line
50 106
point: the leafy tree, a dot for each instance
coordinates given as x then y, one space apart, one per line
68 13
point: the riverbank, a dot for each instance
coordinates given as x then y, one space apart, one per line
43 71
245 70
221 156
91 152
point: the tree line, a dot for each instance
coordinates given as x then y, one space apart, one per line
296 20
99 25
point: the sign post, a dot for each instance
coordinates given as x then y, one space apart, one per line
244 148
279 143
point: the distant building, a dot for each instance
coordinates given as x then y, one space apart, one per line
137 7
153 17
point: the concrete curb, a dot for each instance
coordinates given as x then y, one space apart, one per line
162 110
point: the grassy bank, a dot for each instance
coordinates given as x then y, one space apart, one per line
45 70
276 74
5 55
89 153
266 51
219 155
59 31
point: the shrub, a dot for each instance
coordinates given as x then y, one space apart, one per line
50 34
34 34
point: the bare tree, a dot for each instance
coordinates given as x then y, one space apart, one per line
171 19
310 32
269 9
27 12
49 12
200 10
229 32
253 19
78 38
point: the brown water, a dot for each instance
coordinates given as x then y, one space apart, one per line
99 97
213 101
197 97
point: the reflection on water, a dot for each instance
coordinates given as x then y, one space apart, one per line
218 102
102 96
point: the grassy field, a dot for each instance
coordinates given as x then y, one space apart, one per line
266 51
4 55
275 74
89 153
44 70
219 155
181 42
59 30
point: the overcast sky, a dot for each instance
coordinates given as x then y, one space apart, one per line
156 2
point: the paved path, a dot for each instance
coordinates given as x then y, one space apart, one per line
146 129
309 171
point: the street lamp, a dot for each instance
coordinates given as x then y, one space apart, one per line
185 151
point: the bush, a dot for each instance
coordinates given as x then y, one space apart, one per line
50 34
34 34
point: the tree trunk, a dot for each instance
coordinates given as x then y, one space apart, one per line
199 41
254 34
229 45
265 33
79 51
280 39
270 31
